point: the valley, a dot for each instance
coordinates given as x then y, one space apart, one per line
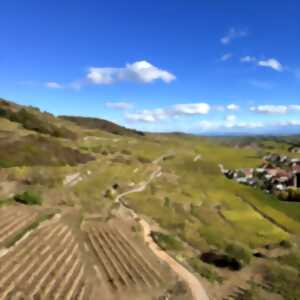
89 209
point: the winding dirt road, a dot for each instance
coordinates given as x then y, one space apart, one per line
196 288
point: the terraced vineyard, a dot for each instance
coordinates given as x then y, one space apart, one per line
121 262
45 265
12 221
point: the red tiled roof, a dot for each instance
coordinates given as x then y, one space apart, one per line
296 168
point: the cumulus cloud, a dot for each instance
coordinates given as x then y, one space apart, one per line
53 85
140 71
275 109
148 116
191 109
233 34
230 118
233 107
159 114
270 109
226 56
119 105
271 63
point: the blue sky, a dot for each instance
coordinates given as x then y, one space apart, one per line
195 66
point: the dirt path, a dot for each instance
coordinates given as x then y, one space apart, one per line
197 157
196 288
142 186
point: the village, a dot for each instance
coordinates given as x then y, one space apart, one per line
279 175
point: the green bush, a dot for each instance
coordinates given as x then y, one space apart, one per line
292 259
240 252
29 198
286 244
205 270
166 241
167 202
32 121
282 280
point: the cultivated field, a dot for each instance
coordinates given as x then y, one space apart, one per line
123 265
45 265
13 220
54 259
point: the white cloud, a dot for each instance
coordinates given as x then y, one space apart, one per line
53 85
270 109
229 123
267 63
289 123
248 59
148 116
295 107
233 107
275 109
191 109
218 107
293 123
226 57
208 125
140 71
232 34
271 63
159 114
230 118
249 125
119 105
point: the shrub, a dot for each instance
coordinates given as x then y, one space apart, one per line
292 259
143 160
167 202
293 195
240 252
29 198
282 280
32 121
166 241
286 244
205 270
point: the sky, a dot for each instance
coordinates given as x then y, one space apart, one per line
197 66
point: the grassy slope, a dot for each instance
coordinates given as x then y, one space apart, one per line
203 208
202 183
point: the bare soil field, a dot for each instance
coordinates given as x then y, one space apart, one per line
12 220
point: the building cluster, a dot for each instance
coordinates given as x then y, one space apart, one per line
277 173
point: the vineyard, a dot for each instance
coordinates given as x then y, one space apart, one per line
45 265
13 221
55 260
122 263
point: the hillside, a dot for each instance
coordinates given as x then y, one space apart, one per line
108 196
94 123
